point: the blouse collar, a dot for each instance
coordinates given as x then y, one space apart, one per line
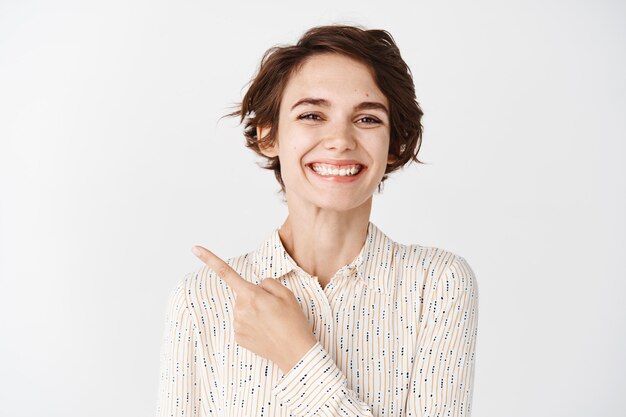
373 264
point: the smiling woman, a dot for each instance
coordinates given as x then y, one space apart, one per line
338 120
374 50
329 316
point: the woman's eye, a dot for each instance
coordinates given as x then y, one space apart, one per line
370 120
310 116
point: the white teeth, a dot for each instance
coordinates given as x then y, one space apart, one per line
342 172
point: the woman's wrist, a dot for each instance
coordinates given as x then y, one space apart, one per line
298 353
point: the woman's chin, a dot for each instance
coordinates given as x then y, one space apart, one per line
339 202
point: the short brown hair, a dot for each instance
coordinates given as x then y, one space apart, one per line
375 48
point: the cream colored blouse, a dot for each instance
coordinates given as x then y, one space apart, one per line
396 332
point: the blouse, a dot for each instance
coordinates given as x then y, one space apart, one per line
396 332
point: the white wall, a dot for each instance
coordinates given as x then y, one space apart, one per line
111 157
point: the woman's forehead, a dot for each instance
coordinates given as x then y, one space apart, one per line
333 78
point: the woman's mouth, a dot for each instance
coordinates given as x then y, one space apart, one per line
337 173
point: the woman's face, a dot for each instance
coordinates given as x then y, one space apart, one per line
332 114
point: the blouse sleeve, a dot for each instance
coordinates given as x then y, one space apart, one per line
315 386
179 386
443 371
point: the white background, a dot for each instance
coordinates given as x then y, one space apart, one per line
113 164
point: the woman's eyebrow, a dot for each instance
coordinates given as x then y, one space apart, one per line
366 105
371 105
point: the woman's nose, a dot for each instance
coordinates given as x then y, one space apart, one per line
340 136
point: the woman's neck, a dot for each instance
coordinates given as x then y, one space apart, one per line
324 241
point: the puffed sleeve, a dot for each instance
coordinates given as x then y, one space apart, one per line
443 371
179 386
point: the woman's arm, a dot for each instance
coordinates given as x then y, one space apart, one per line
316 386
180 386
443 371
443 367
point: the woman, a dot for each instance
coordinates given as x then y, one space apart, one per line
329 316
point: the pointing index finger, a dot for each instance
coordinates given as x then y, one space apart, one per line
222 269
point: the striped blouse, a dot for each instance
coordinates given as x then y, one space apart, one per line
396 332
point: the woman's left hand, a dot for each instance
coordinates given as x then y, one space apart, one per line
267 318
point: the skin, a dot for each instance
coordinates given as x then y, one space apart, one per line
268 320
327 222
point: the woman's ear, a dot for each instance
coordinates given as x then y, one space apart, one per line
269 151
391 159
